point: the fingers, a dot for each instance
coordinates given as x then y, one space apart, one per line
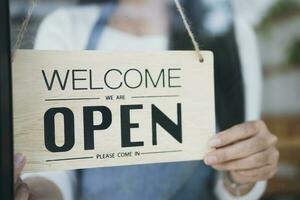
247 150
261 140
21 189
19 163
237 151
22 192
236 133
17 184
260 159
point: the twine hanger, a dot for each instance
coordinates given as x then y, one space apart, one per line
189 30
26 21
23 28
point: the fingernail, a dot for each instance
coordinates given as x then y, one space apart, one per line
210 160
214 142
19 158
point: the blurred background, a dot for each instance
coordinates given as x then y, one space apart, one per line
277 27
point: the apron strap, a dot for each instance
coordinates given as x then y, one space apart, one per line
106 12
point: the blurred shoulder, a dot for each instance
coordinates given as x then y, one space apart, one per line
73 14
67 28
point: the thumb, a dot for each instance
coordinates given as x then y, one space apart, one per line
19 163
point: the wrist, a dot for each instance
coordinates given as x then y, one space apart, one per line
235 188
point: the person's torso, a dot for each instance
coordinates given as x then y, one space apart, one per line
185 180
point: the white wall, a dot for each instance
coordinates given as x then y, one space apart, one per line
252 10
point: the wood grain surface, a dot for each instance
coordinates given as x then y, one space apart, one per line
184 81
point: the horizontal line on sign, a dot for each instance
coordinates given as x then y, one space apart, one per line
155 152
64 159
72 99
158 96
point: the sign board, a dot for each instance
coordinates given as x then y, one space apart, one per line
82 109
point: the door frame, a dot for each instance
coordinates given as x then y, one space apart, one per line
6 111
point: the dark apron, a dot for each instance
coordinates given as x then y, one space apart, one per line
181 180
97 31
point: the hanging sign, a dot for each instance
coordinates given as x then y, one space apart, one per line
83 109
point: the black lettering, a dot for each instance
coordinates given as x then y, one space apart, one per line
89 127
55 73
74 79
155 84
126 125
158 117
49 129
126 79
105 79
170 77
91 82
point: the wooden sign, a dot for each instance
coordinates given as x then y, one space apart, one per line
82 109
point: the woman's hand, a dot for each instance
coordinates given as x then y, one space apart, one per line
247 151
21 188
34 188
